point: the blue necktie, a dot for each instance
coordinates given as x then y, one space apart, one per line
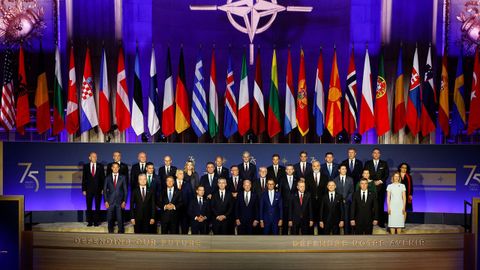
169 195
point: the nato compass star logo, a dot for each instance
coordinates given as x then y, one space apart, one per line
251 11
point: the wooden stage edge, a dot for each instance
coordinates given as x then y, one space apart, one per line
57 250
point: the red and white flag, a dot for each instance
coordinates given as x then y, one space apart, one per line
122 105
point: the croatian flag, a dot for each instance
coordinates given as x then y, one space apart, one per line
88 113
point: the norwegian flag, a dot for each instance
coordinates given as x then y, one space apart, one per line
350 106
7 112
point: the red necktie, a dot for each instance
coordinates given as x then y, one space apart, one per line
114 181
93 169
301 198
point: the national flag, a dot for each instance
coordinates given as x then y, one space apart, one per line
414 103
104 97
273 101
199 100
350 106
382 121
213 99
168 114
333 117
41 98
258 108
230 116
58 124
182 111
367 120
122 103
399 113
459 119
23 106
319 99
153 117
7 112
88 113
243 101
443 103
428 98
474 117
302 98
137 102
290 122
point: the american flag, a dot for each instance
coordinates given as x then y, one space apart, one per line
7 112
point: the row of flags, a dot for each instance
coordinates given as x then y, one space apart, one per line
341 111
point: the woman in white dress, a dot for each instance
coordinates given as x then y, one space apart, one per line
396 199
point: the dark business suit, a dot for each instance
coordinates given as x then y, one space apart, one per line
209 188
380 173
301 213
324 170
123 170
169 218
356 173
347 192
223 174
143 209
195 210
93 186
298 170
162 173
235 188
250 174
221 207
287 192
271 213
271 173
331 213
115 195
258 187
246 213
364 213
182 212
317 189
134 173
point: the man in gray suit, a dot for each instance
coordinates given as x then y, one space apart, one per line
345 187
115 197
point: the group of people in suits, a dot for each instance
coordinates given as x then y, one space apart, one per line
303 198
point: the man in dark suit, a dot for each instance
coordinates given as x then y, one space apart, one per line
117 157
142 207
154 185
364 210
329 168
221 207
234 186
303 167
93 178
167 169
199 212
259 185
275 171
138 168
246 210
209 181
300 216
246 169
170 201
287 189
186 190
379 172
115 197
317 187
220 170
331 212
354 166
271 210
344 185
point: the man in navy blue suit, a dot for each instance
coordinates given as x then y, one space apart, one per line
209 180
115 196
329 168
246 209
186 190
303 168
247 170
220 170
288 186
199 212
271 210
344 185
93 179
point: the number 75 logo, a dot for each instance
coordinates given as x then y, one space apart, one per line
29 174
472 175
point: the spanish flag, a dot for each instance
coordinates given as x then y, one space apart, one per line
41 99
334 105
182 112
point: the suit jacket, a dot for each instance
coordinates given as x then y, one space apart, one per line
300 212
123 170
250 174
381 173
231 185
156 186
356 174
286 191
115 195
332 213
163 174
95 183
134 172
209 189
195 210
186 192
257 186
194 180
298 170
247 213
271 173
324 169
170 215
347 189
143 209
225 173
219 207
316 191
364 212
271 212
